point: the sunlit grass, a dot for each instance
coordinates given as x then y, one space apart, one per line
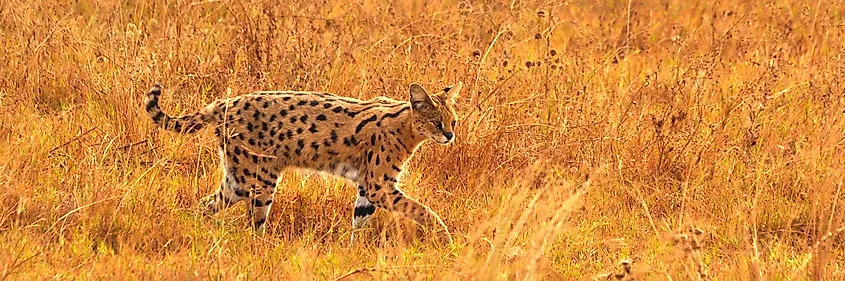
610 140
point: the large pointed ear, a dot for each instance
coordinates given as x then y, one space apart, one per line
453 91
419 97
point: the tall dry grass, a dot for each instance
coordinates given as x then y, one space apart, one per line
620 140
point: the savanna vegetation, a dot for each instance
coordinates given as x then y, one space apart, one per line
609 140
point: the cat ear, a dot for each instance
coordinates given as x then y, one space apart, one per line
419 97
453 91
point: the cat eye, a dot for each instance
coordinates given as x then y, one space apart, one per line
454 123
438 125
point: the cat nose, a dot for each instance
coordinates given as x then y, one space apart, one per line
448 135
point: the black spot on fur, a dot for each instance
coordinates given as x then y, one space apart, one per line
363 211
321 117
350 113
350 141
158 116
313 128
257 203
403 145
364 122
269 183
260 222
389 178
153 103
395 114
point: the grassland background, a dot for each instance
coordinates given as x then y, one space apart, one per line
696 139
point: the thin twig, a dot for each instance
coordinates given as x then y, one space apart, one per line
372 269
128 146
484 57
71 140
78 209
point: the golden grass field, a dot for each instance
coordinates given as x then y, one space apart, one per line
610 140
